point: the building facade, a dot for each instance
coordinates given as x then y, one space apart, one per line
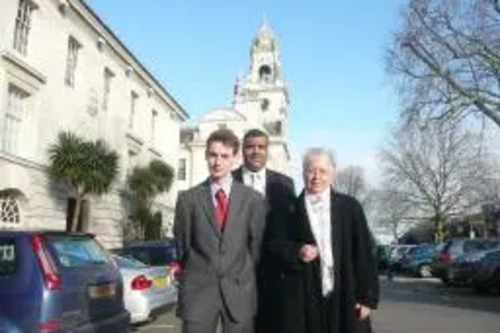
260 101
62 68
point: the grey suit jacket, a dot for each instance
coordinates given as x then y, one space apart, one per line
218 266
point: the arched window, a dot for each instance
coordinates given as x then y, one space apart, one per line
10 210
265 74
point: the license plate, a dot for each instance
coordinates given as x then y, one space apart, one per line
161 281
103 290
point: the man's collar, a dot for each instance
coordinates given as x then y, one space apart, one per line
261 173
224 183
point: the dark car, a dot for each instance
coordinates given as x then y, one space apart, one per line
58 282
418 260
451 263
162 252
396 256
382 256
486 272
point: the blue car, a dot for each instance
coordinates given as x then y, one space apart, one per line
58 282
418 260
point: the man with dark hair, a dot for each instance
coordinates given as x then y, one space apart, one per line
279 192
219 226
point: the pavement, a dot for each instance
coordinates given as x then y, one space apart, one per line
408 305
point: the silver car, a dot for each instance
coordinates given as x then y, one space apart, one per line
145 288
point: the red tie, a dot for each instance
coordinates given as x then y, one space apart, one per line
221 208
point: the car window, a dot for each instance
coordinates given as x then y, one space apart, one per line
77 251
128 263
479 245
493 256
154 255
8 256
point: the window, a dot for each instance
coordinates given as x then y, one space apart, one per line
108 76
154 119
10 126
181 172
133 108
10 212
23 25
71 61
132 161
265 74
77 251
264 105
8 256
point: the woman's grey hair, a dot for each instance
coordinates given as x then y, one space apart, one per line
318 151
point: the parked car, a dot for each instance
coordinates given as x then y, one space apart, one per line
59 282
147 289
486 272
161 252
396 257
451 263
418 260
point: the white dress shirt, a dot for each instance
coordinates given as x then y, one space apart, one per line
225 184
256 180
318 211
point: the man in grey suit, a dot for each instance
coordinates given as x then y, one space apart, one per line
218 227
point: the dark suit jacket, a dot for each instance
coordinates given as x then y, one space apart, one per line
218 266
280 198
356 279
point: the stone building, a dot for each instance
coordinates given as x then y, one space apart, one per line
63 68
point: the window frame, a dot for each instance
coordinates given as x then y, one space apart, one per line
73 51
23 25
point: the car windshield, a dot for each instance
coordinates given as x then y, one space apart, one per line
77 251
128 263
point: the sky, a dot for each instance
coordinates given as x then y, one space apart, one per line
332 54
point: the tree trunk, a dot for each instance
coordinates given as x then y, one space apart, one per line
439 228
76 213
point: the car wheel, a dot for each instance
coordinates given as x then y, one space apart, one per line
425 271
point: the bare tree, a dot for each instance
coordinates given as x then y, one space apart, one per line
445 59
394 212
440 168
351 180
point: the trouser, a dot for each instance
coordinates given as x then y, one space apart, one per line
222 320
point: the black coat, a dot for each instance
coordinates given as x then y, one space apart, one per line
356 278
281 200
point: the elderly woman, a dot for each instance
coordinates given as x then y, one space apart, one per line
332 283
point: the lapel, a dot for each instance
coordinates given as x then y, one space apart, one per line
236 199
238 174
336 227
306 232
206 200
269 181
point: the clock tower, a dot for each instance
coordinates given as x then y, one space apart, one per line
263 97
